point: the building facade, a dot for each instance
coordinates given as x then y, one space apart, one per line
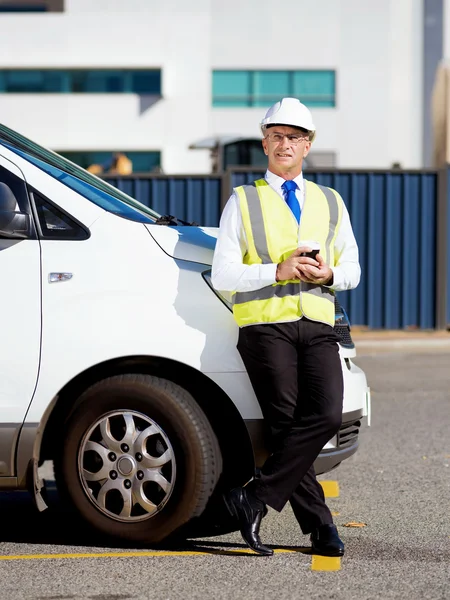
154 79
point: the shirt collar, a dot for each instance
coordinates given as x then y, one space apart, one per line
276 181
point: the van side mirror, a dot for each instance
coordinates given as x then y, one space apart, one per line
13 223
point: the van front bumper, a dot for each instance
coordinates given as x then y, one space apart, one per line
330 459
341 447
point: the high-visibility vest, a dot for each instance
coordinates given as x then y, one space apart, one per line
272 234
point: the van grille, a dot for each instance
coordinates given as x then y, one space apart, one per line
348 434
344 335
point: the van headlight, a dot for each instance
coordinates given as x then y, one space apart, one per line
342 326
225 297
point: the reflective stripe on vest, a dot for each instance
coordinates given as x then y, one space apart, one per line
272 235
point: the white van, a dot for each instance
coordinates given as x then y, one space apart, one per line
118 360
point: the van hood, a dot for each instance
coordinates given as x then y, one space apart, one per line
195 244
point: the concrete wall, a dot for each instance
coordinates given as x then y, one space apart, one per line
446 29
104 34
375 48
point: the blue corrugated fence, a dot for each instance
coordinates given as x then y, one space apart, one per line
394 217
194 198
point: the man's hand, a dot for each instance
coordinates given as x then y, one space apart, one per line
318 275
293 267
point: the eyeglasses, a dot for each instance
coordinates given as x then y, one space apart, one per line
292 138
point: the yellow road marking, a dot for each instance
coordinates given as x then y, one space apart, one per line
95 555
330 488
325 563
141 554
319 563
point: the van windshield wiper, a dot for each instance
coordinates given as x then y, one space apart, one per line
171 220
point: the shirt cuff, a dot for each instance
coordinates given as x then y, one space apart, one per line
337 279
267 273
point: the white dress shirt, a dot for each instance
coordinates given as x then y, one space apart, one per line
230 274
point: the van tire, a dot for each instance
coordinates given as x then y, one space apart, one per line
198 460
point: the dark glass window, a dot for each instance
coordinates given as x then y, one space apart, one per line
25 8
244 152
88 185
18 188
263 88
55 224
142 162
31 6
128 209
145 82
27 81
102 82
80 81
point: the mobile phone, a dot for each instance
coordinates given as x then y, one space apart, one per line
311 254
315 248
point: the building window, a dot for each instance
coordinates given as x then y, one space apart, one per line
31 6
10 8
107 162
263 88
77 81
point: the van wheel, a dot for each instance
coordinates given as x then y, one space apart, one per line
139 458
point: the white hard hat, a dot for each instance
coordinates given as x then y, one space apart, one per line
289 111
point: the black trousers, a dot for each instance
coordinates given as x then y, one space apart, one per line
296 373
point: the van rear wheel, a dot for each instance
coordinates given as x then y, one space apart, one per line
139 458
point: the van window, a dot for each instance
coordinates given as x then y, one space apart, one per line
55 224
88 185
18 188
98 197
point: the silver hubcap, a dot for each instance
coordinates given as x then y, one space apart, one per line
127 466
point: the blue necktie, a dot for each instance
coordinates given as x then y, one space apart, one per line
289 188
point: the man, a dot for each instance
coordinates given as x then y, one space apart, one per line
283 302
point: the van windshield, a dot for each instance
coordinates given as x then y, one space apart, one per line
78 179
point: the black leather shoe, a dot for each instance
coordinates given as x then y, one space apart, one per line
326 541
249 512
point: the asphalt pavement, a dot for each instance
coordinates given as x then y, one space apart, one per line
392 512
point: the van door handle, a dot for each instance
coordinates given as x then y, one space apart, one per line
56 277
